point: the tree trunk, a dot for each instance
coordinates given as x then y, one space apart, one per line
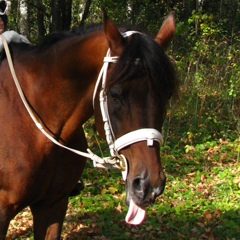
61 15
86 12
40 19
68 15
55 16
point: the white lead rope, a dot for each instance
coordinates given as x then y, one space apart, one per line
99 162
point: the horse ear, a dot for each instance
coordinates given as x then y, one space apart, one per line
167 31
114 37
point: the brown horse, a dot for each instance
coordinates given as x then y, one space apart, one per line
58 79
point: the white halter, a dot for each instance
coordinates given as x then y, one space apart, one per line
115 145
116 161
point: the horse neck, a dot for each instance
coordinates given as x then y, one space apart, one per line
65 82
81 61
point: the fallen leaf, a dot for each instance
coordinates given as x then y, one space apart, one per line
208 215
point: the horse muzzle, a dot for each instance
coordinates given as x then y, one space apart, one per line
141 194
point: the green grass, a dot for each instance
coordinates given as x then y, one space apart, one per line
201 200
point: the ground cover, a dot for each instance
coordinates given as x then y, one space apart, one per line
201 200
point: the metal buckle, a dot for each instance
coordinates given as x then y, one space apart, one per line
122 165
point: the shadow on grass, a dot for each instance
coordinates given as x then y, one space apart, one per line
110 224
20 233
183 212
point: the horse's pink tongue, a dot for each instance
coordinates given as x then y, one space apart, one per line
135 215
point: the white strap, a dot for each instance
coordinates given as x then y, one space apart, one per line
145 134
102 75
38 124
128 33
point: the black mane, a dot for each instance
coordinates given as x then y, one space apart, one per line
143 56
53 38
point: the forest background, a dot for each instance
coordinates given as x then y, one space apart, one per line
205 51
201 130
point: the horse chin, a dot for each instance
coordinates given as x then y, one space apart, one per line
137 208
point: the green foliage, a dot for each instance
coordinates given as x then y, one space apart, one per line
201 200
208 66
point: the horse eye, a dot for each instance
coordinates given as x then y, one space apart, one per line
115 96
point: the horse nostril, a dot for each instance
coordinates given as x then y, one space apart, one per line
144 191
140 187
137 184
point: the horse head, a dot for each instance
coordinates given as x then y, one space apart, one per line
140 80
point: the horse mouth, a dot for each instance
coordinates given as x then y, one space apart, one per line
137 209
136 214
